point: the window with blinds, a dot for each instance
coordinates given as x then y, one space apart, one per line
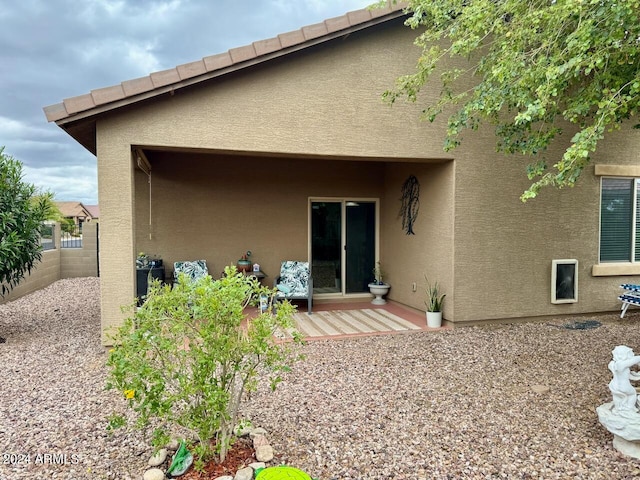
620 220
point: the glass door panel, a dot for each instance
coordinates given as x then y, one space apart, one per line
326 246
360 245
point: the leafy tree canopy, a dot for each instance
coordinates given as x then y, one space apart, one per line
22 212
535 64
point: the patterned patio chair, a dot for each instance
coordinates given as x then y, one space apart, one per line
295 282
195 269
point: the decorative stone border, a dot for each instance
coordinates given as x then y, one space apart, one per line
263 451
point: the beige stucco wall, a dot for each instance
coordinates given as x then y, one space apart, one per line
504 248
430 252
315 113
117 251
324 101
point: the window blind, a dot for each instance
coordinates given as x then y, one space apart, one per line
616 219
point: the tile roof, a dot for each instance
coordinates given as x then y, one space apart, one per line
94 210
130 91
73 209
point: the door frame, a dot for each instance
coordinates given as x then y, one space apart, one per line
343 235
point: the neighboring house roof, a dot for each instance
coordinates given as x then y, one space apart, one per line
70 114
74 209
94 210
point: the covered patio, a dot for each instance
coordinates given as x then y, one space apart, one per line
340 214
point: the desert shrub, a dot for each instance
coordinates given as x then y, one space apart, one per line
22 213
189 355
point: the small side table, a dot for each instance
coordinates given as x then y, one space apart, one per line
259 275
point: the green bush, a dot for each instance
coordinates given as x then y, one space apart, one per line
189 355
67 225
22 212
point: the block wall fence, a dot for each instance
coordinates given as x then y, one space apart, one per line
59 263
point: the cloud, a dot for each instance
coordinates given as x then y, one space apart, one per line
54 49
19 129
68 183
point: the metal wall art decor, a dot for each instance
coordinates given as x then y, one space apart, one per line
410 203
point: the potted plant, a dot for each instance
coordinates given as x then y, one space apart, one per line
378 287
142 260
434 303
378 273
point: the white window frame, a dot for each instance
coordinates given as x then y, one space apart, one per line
617 268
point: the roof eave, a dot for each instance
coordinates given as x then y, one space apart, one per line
62 118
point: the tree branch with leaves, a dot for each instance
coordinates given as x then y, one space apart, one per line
535 67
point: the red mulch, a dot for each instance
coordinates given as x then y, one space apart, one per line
239 456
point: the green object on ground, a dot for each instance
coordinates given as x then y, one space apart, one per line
282 473
182 460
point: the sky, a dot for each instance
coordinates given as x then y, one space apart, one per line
55 49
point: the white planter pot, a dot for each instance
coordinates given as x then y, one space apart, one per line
379 291
434 319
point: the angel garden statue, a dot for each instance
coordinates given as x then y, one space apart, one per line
624 394
621 416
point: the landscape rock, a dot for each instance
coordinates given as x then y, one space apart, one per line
153 474
426 405
173 445
244 474
264 453
255 432
540 389
259 441
158 458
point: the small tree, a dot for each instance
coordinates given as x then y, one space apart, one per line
189 355
22 213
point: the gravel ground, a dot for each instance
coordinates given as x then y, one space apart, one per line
446 405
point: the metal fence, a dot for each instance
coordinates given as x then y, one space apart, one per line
71 237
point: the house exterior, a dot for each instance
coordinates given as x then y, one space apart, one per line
284 148
76 211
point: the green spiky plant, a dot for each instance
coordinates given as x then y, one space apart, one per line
435 300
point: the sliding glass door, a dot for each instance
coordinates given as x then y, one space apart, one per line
343 245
